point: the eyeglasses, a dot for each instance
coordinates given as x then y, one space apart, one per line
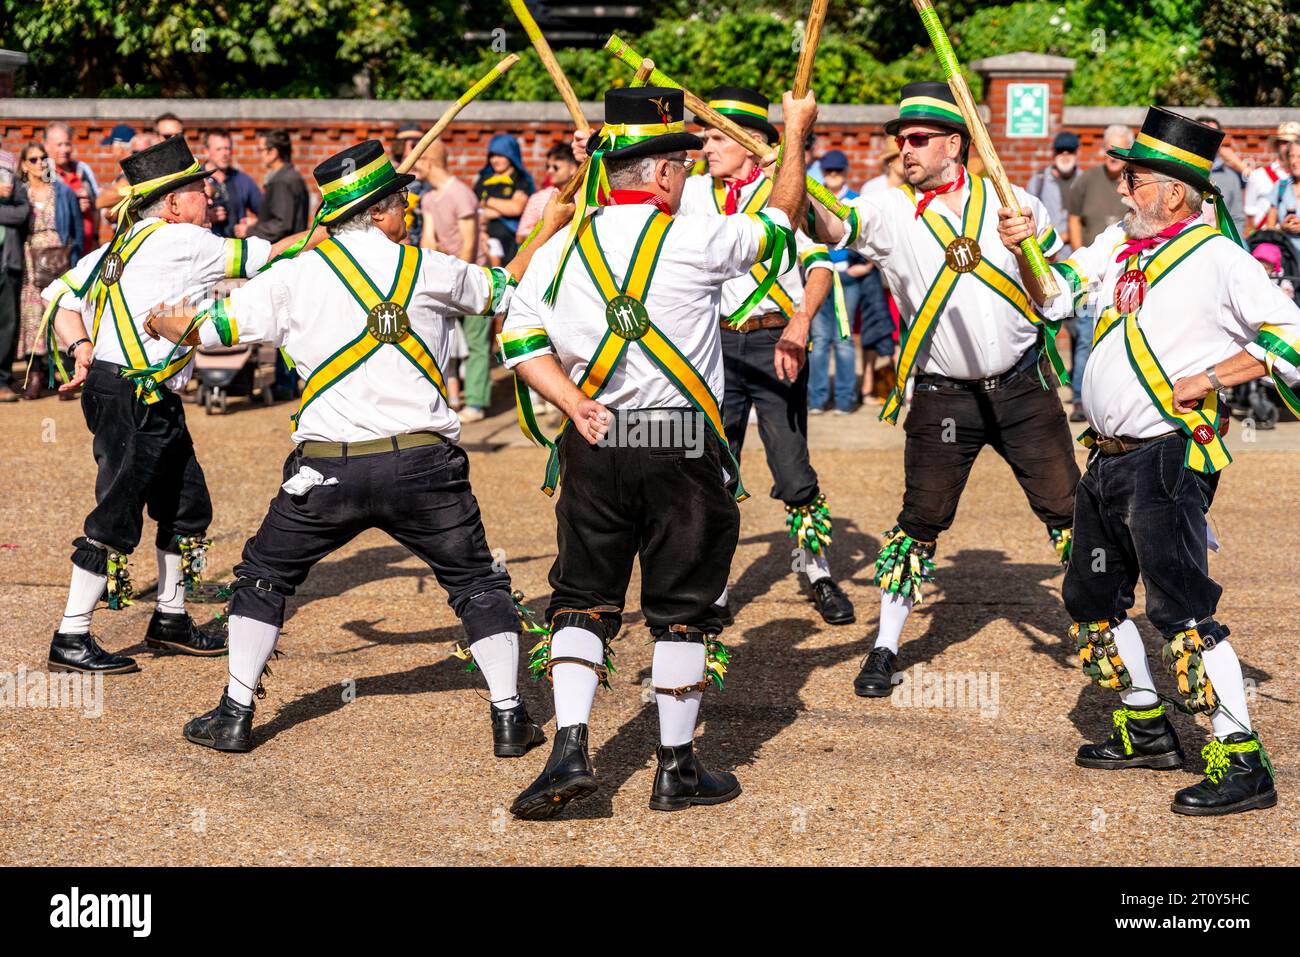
917 140
36 159
685 163
1130 179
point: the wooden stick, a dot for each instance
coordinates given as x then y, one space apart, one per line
712 117
552 65
983 142
812 36
445 120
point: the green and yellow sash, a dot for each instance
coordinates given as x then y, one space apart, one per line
368 296
1210 455
765 276
918 332
1277 343
613 346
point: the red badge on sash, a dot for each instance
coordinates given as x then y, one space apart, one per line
1203 434
1130 290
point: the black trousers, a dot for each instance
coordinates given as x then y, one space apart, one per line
668 506
11 287
420 496
1143 514
749 366
948 427
146 461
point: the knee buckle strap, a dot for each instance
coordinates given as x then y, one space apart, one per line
716 658
540 661
602 670
810 525
1182 656
904 564
1099 654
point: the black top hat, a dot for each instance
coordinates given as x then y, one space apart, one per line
744 107
1176 146
643 121
928 102
354 179
170 164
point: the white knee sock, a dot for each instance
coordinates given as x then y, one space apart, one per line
84 593
894 609
816 565
721 600
1224 671
575 685
677 663
1134 654
171 590
497 656
251 643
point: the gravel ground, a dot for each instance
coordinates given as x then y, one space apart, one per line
374 745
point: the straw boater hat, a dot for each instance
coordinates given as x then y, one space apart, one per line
744 107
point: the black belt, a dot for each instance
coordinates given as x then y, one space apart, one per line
1023 364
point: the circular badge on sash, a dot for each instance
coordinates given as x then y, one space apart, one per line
111 269
627 318
1130 290
1203 434
388 322
963 254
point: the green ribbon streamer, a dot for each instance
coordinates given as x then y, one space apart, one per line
781 255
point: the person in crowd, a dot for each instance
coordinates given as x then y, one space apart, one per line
408 134
234 193
561 167
78 177
14 213
503 188
1052 183
1261 185
54 222
1228 177
826 341
168 124
1285 211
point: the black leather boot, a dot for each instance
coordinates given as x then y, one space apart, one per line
876 679
1238 777
1143 738
683 780
181 633
514 733
82 653
834 605
227 727
566 777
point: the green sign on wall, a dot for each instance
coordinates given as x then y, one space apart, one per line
1027 109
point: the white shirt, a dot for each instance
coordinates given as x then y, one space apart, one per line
979 334
699 255
1209 308
302 306
697 199
1260 189
178 262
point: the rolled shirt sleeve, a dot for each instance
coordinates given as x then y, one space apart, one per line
258 311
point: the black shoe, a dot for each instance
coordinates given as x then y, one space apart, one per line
1234 780
1153 743
831 601
725 617
683 780
1076 414
82 653
566 777
876 679
180 633
513 732
227 727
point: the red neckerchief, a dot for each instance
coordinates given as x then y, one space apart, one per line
1169 232
734 186
930 194
637 197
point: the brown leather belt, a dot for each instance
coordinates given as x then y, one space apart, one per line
768 320
393 443
1120 444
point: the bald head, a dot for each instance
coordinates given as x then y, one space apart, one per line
436 154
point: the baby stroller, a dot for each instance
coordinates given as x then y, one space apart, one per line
1274 252
239 370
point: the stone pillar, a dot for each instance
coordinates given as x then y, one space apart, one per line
1025 94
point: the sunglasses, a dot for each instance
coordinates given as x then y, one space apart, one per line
917 140
1130 179
36 159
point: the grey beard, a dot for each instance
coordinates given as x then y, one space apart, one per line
1140 225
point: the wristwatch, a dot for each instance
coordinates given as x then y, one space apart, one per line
77 345
1214 379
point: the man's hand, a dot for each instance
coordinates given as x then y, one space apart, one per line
1291 225
85 352
218 213
798 114
790 357
6 190
170 322
1190 390
241 228
591 419
1014 227
579 146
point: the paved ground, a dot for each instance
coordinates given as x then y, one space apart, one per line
403 774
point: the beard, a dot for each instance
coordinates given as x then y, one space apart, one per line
1141 223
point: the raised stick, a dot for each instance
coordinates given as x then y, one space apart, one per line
445 120
744 137
983 143
552 65
812 35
